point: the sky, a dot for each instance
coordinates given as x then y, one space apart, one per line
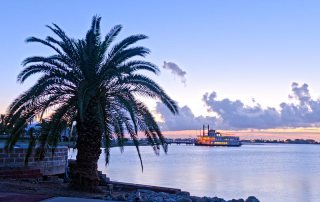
233 64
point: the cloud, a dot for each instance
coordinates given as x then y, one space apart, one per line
185 120
304 112
300 93
236 115
175 70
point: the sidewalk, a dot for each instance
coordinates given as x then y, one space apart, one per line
73 199
19 197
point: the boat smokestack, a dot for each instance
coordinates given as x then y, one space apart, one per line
203 130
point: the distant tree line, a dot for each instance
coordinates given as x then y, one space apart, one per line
2 124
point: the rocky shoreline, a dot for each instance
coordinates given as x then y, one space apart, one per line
147 193
152 196
55 187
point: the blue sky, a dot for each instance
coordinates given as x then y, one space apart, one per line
239 49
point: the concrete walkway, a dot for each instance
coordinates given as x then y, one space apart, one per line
20 197
73 199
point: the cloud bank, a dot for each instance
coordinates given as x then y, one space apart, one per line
186 120
175 70
303 112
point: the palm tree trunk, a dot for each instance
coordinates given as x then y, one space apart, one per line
84 174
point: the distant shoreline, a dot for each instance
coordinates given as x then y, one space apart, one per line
143 142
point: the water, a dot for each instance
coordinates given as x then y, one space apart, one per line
271 172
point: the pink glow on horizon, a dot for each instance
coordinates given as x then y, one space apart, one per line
274 134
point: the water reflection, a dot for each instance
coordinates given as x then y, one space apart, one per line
270 172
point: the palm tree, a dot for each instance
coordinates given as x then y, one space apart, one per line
95 84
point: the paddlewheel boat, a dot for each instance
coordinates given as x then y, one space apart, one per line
215 138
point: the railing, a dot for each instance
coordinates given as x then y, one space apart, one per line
181 141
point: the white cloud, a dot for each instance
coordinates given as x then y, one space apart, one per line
175 70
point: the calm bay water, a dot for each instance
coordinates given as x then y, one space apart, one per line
271 172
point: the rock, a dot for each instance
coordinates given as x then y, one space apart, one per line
236 200
148 200
184 193
104 180
121 197
169 200
207 199
183 199
145 191
163 194
130 197
216 199
157 199
195 198
252 199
